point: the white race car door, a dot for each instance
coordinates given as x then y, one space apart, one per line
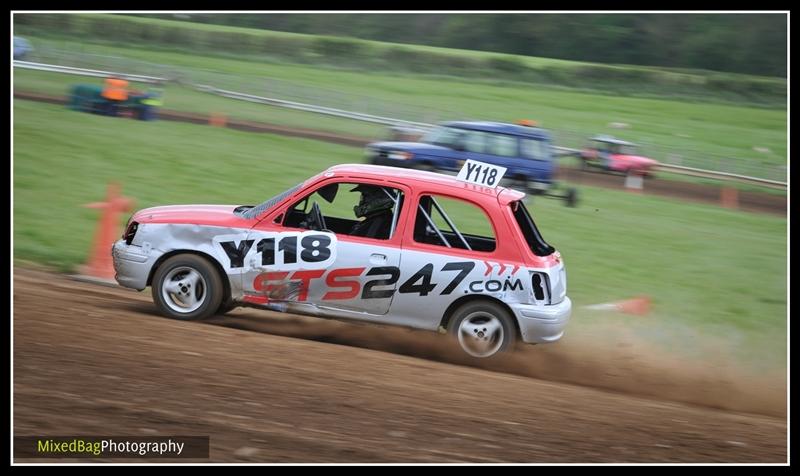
364 279
336 249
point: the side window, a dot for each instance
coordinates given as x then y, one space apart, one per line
475 141
501 144
534 149
355 209
453 223
449 137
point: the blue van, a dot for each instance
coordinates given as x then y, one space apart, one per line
524 150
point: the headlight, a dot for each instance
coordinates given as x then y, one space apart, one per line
130 232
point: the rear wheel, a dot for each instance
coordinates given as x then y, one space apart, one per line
187 287
226 307
520 183
571 197
428 167
483 329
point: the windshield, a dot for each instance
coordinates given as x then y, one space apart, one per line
262 207
624 149
443 136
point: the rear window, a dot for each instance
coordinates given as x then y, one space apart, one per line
532 236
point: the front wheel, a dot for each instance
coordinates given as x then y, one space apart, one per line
483 329
187 287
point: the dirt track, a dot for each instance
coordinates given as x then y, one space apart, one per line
97 360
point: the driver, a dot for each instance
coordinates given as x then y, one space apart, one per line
375 206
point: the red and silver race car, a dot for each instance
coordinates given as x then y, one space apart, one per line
379 244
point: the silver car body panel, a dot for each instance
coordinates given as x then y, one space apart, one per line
320 273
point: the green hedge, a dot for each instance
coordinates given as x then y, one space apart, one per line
361 54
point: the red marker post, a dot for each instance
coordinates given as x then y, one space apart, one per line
100 265
639 306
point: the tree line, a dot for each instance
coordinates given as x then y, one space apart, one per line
739 43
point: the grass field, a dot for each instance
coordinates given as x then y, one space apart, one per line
702 133
188 100
255 45
181 98
704 266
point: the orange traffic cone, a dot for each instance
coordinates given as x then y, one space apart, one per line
100 266
639 306
217 119
729 197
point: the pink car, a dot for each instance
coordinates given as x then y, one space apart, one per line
615 155
362 242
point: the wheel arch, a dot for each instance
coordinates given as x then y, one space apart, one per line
226 284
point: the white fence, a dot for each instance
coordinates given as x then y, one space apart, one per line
335 103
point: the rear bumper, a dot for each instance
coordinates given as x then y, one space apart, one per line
541 324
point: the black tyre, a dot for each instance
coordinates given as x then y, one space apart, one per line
226 307
521 184
483 329
187 287
571 197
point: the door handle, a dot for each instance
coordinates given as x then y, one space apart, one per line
377 258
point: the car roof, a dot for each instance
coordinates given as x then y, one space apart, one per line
499 127
611 140
433 181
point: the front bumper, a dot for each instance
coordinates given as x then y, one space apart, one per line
132 265
541 324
